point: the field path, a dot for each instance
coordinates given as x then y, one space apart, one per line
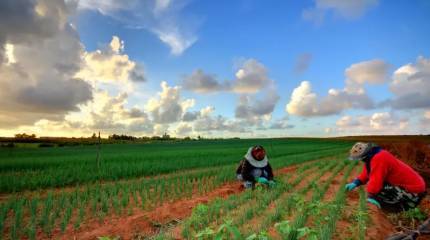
149 222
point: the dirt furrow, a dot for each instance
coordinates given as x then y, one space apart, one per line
147 223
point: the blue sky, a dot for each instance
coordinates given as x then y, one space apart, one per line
170 40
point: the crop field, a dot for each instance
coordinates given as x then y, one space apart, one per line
182 190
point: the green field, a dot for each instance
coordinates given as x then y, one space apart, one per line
44 189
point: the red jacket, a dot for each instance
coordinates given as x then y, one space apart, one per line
384 167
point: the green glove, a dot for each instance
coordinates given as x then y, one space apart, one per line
374 202
262 180
350 186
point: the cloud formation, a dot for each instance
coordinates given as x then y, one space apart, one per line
411 85
168 107
201 82
351 9
40 82
250 78
253 109
111 65
164 18
304 102
377 123
370 72
281 124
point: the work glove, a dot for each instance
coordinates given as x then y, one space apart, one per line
272 183
262 180
374 202
350 186
239 177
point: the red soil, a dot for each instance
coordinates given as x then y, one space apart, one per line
146 223
380 227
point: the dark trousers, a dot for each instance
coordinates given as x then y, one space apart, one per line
396 199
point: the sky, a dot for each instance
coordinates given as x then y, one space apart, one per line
244 68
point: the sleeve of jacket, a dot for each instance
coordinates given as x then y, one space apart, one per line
269 171
246 171
363 178
378 173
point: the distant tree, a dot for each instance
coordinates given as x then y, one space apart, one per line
165 136
121 137
25 136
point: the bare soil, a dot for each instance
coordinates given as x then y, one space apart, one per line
147 223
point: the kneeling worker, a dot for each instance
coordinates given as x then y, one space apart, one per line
391 184
255 168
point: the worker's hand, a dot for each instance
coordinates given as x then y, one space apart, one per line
262 180
350 186
272 183
239 177
374 202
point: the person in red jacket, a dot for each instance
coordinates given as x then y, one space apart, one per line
391 184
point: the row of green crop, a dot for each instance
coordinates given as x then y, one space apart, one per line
56 211
248 205
314 206
227 218
326 168
296 199
44 169
24 216
53 178
204 215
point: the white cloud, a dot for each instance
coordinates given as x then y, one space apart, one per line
176 40
304 102
107 7
411 85
183 129
43 54
350 9
251 77
377 123
201 82
258 92
372 72
116 45
347 121
281 124
111 65
164 18
110 114
425 121
161 5
219 124
49 82
168 107
253 109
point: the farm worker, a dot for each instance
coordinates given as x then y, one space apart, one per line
391 184
255 168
